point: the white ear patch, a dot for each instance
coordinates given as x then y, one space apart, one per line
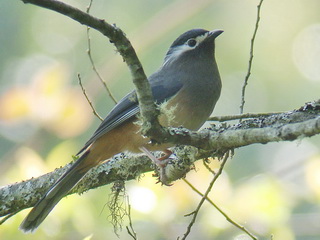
185 47
198 40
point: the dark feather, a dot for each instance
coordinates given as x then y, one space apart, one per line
128 106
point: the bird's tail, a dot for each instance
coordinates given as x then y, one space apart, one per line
63 185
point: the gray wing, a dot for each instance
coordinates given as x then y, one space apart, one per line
128 107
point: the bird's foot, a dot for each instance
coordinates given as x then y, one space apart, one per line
161 163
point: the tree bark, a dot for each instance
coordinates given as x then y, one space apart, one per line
213 142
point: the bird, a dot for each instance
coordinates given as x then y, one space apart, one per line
187 85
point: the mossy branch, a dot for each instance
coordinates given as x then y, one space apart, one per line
297 124
149 112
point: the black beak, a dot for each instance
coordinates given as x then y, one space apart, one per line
215 33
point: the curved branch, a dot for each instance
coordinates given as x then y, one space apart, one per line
243 92
241 116
289 126
213 142
148 110
279 127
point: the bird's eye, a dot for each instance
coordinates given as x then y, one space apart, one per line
191 42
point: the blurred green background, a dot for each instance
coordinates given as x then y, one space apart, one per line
44 117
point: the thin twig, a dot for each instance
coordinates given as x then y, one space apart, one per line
130 228
90 103
242 116
148 111
251 57
242 228
92 62
292 125
4 219
89 6
207 167
205 196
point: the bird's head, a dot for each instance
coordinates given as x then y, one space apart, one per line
191 44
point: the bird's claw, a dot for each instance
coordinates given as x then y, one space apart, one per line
163 178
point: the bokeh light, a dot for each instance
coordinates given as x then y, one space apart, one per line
312 170
142 199
306 52
271 189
